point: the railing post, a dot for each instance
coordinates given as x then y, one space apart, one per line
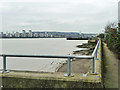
4 64
93 65
69 67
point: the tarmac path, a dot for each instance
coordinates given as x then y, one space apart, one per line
110 68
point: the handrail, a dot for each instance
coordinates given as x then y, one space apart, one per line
48 56
94 54
69 57
96 48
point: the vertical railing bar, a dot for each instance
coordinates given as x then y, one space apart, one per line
4 64
69 67
93 65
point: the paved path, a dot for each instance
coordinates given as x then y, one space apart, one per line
110 68
0 83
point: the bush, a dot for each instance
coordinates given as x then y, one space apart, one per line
113 40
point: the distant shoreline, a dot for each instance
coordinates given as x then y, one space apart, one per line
43 37
26 37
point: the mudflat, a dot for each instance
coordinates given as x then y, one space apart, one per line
80 65
77 66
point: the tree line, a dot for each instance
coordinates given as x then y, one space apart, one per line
111 37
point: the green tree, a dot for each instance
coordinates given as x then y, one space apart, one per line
112 37
101 36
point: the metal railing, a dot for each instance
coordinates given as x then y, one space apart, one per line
69 57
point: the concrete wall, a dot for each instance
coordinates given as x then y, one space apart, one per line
0 83
37 83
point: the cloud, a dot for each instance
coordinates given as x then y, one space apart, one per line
119 12
78 15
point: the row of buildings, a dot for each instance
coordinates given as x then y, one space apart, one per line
31 34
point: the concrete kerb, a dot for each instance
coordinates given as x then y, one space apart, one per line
20 79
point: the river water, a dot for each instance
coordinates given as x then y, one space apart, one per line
41 46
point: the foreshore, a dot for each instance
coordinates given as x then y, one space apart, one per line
80 65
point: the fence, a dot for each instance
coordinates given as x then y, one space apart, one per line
69 57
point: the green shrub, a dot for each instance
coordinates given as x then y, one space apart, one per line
113 40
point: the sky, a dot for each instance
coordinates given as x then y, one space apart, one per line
119 12
57 15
